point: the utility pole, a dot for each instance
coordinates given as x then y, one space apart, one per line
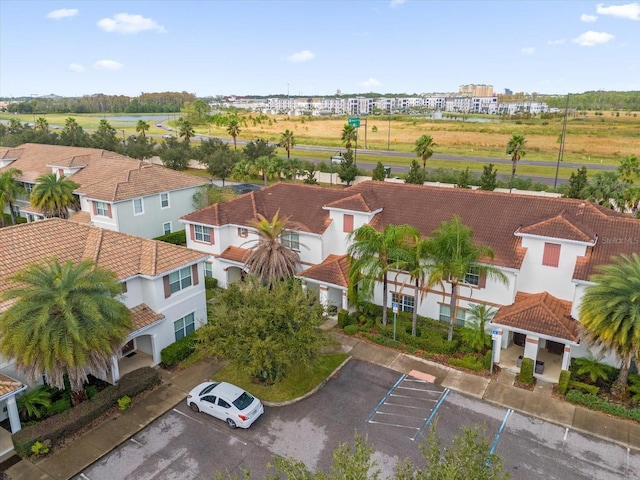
561 148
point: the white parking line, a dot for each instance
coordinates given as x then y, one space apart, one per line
566 432
136 442
83 476
188 416
400 415
213 428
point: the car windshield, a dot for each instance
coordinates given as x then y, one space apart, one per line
207 389
243 401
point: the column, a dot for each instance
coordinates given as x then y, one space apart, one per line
14 416
531 347
566 357
304 285
324 297
345 300
497 346
154 350
115 369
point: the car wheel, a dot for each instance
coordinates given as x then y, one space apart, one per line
194 407
231 423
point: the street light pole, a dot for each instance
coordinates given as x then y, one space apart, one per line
389 133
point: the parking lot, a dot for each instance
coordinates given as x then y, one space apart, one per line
393 411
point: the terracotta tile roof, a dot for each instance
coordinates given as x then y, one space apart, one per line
334 270
143 316
104 175
126 255
540 313
8 385
236 254
561 226
81 217
493 216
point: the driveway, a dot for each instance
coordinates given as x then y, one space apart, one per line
393 411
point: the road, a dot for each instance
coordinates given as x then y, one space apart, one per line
392 411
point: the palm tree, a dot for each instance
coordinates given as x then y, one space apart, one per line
271 260
73 134
234 130
9 191
515 148
54 195
629 169
348 136
415 261
373 254
475 335
287 141
185 129
454 255
142 127
606 189
610 313
42 125
63 318
424 148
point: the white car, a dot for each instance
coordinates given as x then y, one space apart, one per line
227 402
168 136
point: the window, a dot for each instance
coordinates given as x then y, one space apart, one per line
243 232
138 208
445 315
208 270
405 302
184 326
201 234
28 187
347 223
101 209
180 279
551 255
166 227
164 200
472 277
292 241
124 287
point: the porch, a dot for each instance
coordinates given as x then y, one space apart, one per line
552 362
130 362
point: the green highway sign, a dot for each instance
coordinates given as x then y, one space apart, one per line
354 122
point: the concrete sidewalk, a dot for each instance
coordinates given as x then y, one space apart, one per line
91 446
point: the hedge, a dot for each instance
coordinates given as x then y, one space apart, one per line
351 329
71 421
178 350
469 362
526 371
210 283
344 318
596 403
584 387
177 238
563 382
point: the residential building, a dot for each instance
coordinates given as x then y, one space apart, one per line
162 285
115 192
547 248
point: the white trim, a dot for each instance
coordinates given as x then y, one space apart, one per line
133 201
556 239
168 200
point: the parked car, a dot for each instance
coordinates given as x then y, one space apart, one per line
168 136
227 402
159 125
338 158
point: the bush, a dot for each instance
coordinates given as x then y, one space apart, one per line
584 387
469 362
563 382
351 329
178 351
344 318
596 403
177 238
59 406
526 371
91 391
124 402
487 360
210 283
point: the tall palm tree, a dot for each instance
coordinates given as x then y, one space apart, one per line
424 148
515 148
271 260
373 254
415 261
234 130
142 127
42 125
287 141
9 191
348 136
606 189
185 130
54 195
73 134
475 335
454 255
629 169
63 318
610 313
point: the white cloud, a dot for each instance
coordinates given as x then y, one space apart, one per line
370 82
630 10
74 67
528 50
591 38
302 56
395 3
63 13
107 65
588 18
559 41
129 24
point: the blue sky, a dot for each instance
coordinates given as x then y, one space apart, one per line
308 47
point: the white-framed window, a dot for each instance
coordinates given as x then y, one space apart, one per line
16 210
202 234
180 279
208 270
164 200
166 227
184 326
243 232
138 206
102 209
292 241
405 302
472 277
445 315
28 187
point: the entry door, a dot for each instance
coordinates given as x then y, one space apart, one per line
519 338
555 347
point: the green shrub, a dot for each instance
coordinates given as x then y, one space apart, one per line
344 318
351 329
584 387
526 371
124 402
40 448
469 362
91 391
178 351
177 238
34 403
596 403
210 283
487 359
563 382
59 406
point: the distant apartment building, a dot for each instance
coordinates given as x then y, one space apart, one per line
476 90
512 108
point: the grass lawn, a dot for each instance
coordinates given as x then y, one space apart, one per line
296 384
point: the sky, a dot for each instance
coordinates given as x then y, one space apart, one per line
316 47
